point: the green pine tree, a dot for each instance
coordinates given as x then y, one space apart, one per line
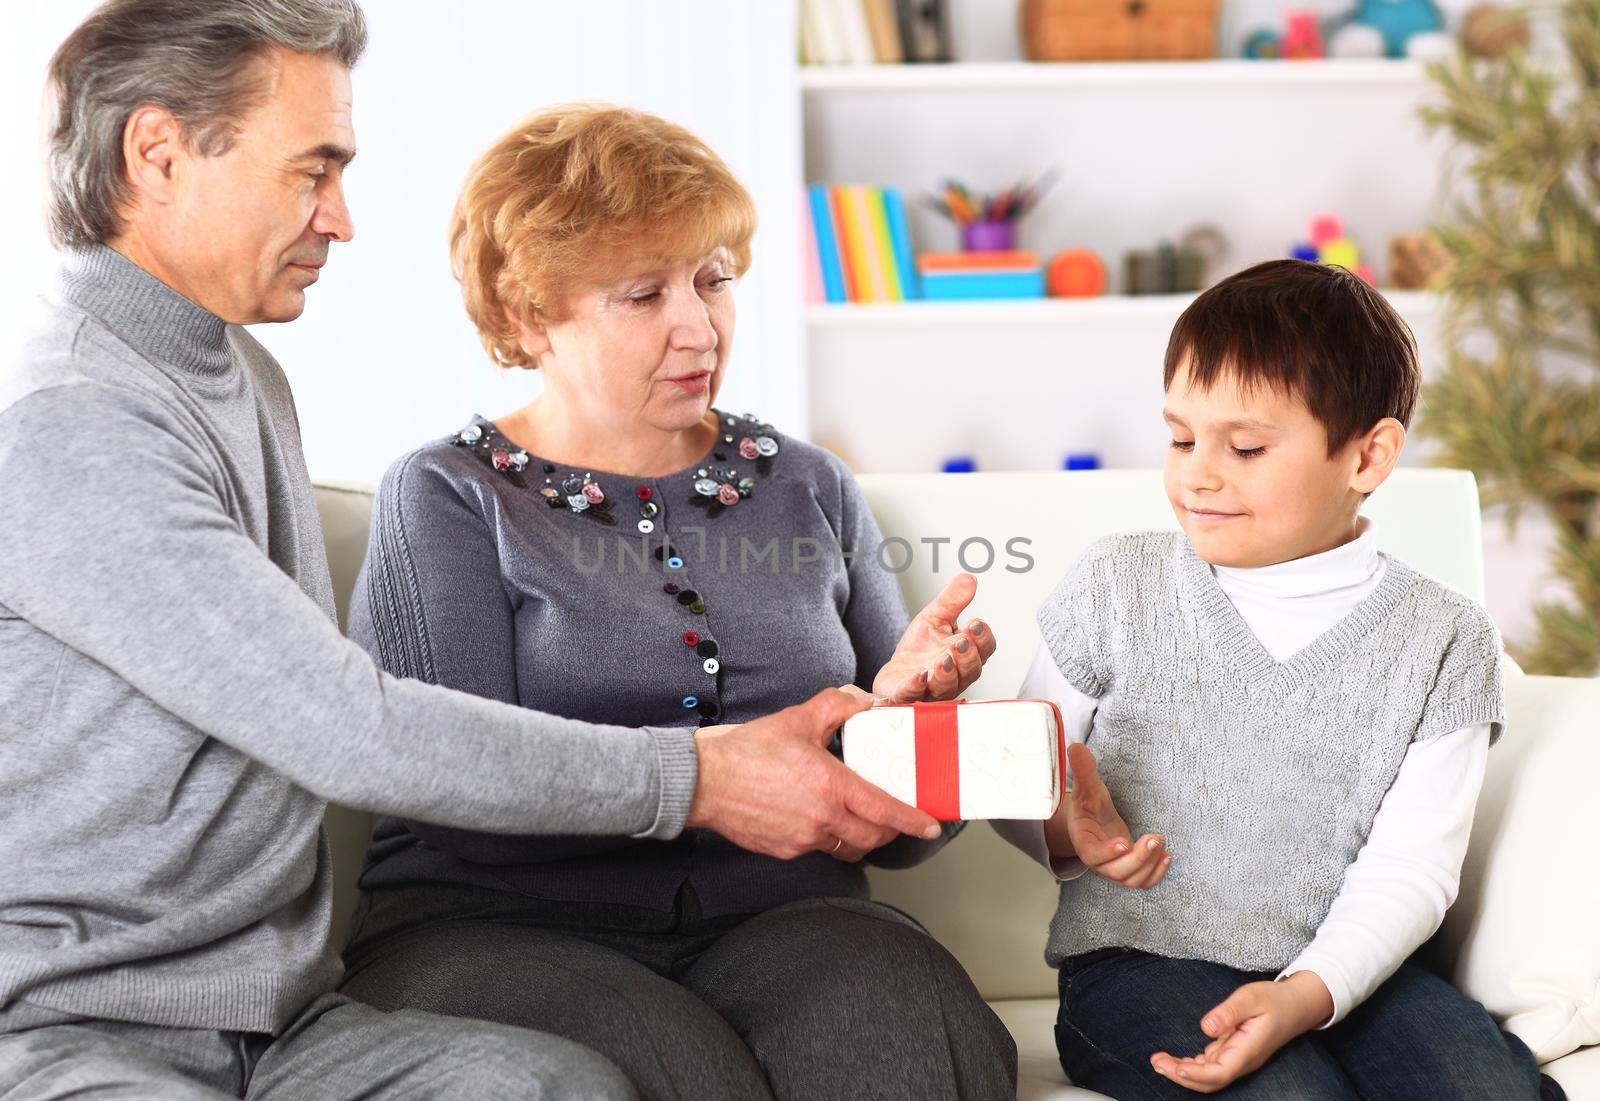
1518 401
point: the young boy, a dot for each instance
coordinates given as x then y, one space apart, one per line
1305 719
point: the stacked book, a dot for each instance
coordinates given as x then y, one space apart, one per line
947 275
865 32
862 245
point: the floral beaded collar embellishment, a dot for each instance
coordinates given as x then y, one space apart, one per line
717 487
576 493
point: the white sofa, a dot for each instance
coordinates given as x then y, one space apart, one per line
1521 938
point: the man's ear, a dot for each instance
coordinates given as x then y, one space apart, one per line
152 146
532 337
1377 452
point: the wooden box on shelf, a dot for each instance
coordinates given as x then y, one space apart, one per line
1119 30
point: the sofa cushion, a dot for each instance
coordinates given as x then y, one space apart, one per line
984 900
1032 1023
1522 937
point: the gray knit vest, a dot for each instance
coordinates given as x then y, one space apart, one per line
1264 777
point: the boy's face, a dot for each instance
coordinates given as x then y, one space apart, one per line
1250 478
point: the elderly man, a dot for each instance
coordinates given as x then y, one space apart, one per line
176 701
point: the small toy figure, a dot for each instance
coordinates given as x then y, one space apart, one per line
1302 41
1490 30
1398 21
1076 273
1416 260
1330 245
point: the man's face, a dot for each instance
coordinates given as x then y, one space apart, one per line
251 228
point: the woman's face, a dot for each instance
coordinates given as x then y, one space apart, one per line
649 347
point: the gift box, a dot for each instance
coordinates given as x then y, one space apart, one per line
958 760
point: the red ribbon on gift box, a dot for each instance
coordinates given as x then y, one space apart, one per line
938 759
936 731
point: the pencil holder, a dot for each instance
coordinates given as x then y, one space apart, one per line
989 235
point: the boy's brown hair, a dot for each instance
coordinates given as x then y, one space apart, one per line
1311 331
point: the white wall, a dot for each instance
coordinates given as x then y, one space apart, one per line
383 358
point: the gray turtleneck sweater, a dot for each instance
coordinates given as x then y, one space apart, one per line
176 700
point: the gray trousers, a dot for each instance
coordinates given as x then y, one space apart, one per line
819 999
336 1050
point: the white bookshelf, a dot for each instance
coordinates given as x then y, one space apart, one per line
1415 306
820 80
1147 150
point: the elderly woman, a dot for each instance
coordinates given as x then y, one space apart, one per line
619 550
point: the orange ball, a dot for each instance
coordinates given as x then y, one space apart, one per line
1076 273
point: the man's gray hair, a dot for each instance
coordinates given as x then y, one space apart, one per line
195 58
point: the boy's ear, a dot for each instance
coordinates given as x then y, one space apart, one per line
1377 452
532 337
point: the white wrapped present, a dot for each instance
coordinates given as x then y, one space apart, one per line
956 760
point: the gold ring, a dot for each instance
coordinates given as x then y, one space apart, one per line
837 845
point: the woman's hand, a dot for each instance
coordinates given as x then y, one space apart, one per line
934 660
1247 1029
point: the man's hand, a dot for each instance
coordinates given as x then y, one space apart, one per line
1246 1029
1088 826
772 787
934 661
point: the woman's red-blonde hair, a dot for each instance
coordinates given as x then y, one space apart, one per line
576 196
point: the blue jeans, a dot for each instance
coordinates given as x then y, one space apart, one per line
1417 1038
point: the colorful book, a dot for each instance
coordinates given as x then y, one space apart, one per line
866 270
885 27
977 261
826 244
847 271
900 236
967 285
852 22
883 245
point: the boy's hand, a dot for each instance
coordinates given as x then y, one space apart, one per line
1247 1028
1098 836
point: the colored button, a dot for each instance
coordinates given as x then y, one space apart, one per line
707 710
647 526
470 434
649 508
674 563
688 596
669 587
691 638
644 493
698 607
690 702
711 665
707 648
